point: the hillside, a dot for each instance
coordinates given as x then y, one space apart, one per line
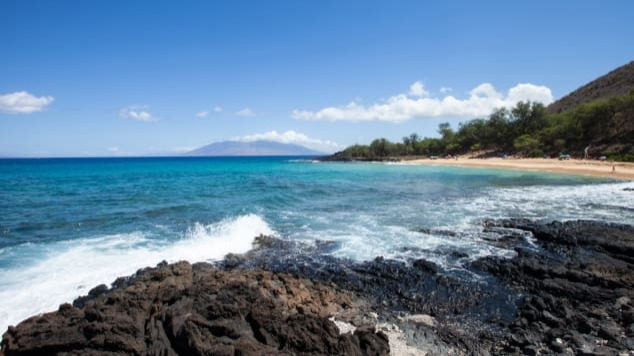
598 116
618 82
254 148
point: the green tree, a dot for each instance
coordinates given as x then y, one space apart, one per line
525 128
471 133
497 133
528 145
528 117
379 147
410 142
445 130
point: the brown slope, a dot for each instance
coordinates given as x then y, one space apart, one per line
616 83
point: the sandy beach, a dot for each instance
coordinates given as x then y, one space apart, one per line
619 170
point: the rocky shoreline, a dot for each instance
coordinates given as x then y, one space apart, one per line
578 288
183 309
569 290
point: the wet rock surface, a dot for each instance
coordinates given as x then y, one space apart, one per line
569 290
466 312
579 287
200 310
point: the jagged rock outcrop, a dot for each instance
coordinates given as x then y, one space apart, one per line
569 290
200 310
579 287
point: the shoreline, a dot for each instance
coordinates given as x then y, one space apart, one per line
622 170
542 301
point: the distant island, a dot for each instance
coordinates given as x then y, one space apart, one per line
253 148
597 119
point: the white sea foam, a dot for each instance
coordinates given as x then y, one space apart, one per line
47 275
363 237
401 243
455 224
303 160
607 202
68 269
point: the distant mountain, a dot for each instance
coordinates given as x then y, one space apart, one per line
254 148
618 82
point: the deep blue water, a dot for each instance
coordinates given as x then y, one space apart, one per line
67 225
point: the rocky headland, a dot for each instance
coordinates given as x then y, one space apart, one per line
569 290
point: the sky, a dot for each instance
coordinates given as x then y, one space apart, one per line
131 78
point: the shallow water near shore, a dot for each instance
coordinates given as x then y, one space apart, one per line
67 225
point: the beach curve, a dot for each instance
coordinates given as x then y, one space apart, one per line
617 170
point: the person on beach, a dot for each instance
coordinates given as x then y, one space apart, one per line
585 152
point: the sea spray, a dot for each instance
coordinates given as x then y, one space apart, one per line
67 269
68 225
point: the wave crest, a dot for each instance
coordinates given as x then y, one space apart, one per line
67 269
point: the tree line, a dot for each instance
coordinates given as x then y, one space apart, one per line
527 130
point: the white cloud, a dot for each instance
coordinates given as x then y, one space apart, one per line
482 100
292 137
246 112
525 90
217 109
418 90
445 90
22 102
113 149
136 112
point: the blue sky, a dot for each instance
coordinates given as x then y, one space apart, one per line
104 78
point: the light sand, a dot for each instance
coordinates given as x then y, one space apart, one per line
622 170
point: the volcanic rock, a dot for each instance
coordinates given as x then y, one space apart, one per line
180 309
579 286
570 289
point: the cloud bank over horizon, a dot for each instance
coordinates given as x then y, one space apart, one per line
419 103
291 137
22 102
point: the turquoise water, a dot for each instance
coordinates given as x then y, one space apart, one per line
67 225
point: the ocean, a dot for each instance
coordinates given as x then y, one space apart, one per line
67 225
